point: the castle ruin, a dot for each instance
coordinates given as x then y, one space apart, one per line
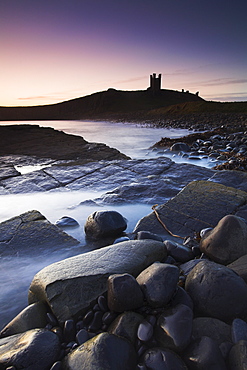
155 82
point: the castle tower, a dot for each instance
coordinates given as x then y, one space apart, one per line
155 82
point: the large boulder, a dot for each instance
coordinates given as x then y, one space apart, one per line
31 232
201 204
32 317
104 223
69 286
158 283
35 349
105 351
217 291
227 241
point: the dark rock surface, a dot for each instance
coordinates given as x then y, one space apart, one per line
34 349
227 241
174 328
102 224
204 354
124 293
32 317
105 351
69 286
217 291
31 232
201 204
45 142
240 267
158 283
213 328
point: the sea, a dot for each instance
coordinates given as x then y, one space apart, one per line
134 140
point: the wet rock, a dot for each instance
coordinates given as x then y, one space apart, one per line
201 204
238 356
148 235
104 223
145 331
162 358
66 221
227 241
180 147
158 283
105 351
30 233
33 316
174 327
239 330
213 328
217 291
181 297
82 336
69 330
240 267
204 354
37 348
126 325
124 293
69 286
179 252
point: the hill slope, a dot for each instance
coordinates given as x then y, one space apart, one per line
110 104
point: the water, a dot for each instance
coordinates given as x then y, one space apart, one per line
16 273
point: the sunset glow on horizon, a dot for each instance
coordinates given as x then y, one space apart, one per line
52 51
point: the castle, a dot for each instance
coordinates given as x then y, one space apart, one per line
155 83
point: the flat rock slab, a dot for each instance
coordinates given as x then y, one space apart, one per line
69 286
201 204
46 142
31 232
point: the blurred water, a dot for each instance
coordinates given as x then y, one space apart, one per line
16 272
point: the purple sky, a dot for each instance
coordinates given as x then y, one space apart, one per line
55 50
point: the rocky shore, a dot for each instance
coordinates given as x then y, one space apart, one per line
171 294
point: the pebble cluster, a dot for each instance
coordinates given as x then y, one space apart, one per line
227 151
186 312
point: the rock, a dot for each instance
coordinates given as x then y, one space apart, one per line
31 232
82 336
204 354
179 252
49 143
158 283
145 331
227 241
201 204
104 223
174 327
126 325
37 348
8 171
236 179
148 235
66 221
69 286
123 293
240 267
180 147
181 297
105 351
239 330
238 356
163 358
213 328
32 317
217 291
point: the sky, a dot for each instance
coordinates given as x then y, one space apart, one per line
56 50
